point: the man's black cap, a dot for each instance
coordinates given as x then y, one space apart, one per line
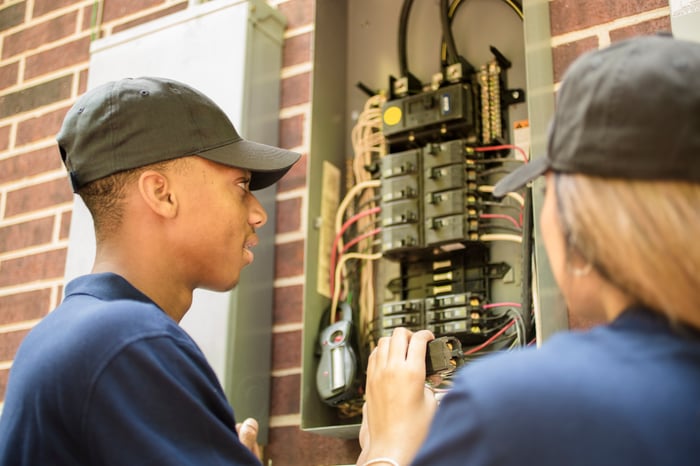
130 123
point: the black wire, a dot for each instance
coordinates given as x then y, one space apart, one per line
502 205
369 203
483 174
447 36
403 28
515 5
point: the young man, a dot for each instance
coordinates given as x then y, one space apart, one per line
109 377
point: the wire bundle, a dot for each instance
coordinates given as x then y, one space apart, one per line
362 197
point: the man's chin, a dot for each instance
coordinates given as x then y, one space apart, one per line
221 287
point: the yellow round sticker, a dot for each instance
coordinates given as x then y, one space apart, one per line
392 116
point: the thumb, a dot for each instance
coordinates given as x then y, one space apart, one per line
248 432
248 435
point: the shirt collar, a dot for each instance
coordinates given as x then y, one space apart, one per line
106 286
643 319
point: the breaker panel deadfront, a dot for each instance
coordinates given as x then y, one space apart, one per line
417 238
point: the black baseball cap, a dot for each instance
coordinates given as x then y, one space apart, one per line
134 122
631 110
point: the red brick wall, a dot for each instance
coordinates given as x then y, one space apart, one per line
43 58
44 53
578 26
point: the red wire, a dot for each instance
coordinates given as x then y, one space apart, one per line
512 304
360 238
490 340
503 216
339 235
501 147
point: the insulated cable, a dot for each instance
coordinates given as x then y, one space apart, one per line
345 258
513 4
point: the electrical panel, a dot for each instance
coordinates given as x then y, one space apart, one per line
420 240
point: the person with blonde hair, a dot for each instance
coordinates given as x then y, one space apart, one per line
620 223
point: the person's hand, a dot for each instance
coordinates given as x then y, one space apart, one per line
398 407
248 435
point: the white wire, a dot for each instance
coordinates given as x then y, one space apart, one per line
346 201
501 237
368 145
338 269
516 196
520 330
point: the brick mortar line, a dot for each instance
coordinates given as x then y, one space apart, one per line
289 281
30 22
285 420
286 372
30 7
17 326
275 3
290 237
33 286
34 113
27 148
291 194
44 47
296 70
33 250
108 27
75 88
605 28
34 180
5 365
43 79
54 297
21 68
286 328
295 110
37 214
56 231
18 151
55 74
13 134
299 31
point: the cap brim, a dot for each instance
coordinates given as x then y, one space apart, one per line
267 164
521 176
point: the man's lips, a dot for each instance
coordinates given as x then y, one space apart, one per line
250 243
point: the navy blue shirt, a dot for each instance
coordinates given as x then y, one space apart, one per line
109 379
627 393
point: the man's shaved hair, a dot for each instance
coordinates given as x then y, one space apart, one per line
105 197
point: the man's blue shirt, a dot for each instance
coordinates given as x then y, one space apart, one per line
109 378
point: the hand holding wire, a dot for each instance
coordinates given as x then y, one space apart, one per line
398 408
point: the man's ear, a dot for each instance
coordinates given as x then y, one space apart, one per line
156 191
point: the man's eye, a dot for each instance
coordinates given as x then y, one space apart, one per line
245 185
